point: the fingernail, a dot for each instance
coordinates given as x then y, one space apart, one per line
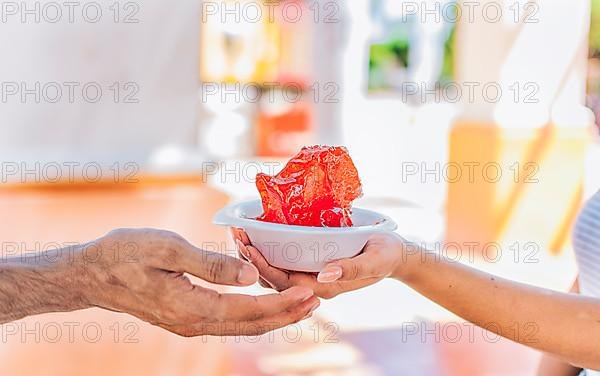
330 274
312 309
242 248
247 275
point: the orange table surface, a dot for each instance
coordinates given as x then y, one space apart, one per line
98 342
94 341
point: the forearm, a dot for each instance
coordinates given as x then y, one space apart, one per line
41 283
566 325
550 365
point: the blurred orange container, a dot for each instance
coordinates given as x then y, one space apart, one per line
283 128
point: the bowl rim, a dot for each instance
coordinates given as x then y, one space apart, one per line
226 217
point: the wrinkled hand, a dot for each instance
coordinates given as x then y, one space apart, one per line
379 259
141 272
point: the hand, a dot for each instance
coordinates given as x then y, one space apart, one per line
380 258
141 272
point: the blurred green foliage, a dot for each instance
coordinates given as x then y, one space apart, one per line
392 55
447 73
389 55
395 50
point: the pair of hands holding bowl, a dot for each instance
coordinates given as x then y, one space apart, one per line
381 257
328 260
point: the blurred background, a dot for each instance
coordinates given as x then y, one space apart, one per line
473 124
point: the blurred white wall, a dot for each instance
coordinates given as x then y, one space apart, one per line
157 56
542 56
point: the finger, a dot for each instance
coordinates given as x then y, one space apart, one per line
217 268
276 277
239 307
242 250
359 267
239 234
243 253
280 279
289 316
264 283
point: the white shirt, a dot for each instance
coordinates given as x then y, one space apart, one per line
586 242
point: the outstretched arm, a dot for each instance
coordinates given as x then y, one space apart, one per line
563 324
143 272
550 365
33 284
566 325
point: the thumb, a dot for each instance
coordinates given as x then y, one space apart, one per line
218 268
346 270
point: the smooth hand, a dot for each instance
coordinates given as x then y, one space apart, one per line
380 258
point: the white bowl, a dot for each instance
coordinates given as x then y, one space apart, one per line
303 248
